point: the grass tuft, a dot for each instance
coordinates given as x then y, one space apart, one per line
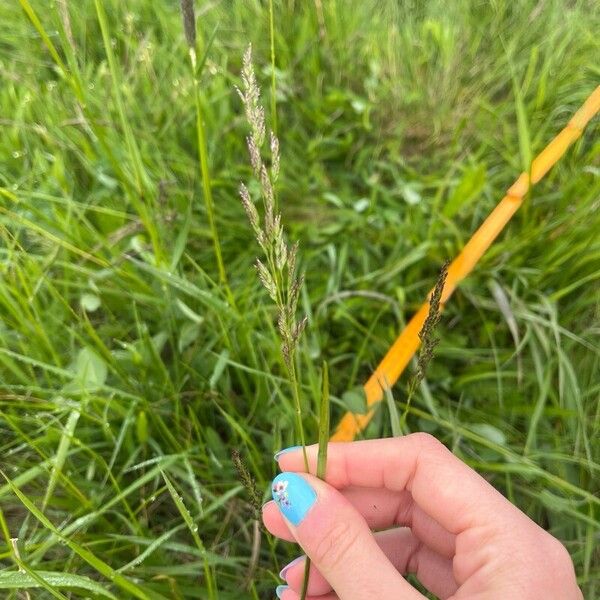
128 349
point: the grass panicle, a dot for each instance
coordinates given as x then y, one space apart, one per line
427 335
429 341
277 270
249 483
189 22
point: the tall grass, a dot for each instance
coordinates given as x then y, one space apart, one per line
278 273
189 26
399 129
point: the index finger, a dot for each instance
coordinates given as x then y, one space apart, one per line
441 484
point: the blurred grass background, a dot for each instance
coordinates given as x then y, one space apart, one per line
121 356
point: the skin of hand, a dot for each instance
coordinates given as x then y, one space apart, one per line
407 505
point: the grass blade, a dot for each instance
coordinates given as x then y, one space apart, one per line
189 25
61 455
50 580
96 563
189 521
323 423
393 410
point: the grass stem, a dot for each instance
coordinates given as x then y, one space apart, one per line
206 179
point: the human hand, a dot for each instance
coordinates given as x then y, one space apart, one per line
458 535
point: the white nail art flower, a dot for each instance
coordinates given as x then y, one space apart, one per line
280 493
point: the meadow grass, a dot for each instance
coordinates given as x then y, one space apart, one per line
127 373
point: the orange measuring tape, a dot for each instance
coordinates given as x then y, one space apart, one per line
407 343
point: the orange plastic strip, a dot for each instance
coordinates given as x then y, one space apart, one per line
407 343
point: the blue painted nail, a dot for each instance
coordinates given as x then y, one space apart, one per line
293 495
280 589
285 451
287 567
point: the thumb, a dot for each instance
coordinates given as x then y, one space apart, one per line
338 540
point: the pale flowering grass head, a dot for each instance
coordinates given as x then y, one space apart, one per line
277 269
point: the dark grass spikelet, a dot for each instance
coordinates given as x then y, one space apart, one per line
189 22
249 483
427 335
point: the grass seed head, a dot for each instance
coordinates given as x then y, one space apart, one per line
189 22
429 339
274 157
248 482
277 270
255 113
266 278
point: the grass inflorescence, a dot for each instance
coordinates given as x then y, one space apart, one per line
278 271
428 336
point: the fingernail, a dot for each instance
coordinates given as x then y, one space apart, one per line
285 451
287 567
280 589
293 495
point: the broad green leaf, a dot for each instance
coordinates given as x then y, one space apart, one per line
90 371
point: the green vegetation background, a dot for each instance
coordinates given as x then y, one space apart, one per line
121 356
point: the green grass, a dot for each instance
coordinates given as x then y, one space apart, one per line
128 375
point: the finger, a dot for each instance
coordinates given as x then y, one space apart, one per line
286 593
382 509
337 539
405 552
448 490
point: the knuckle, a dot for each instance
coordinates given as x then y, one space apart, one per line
558 555
556 561
427 442
334 546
